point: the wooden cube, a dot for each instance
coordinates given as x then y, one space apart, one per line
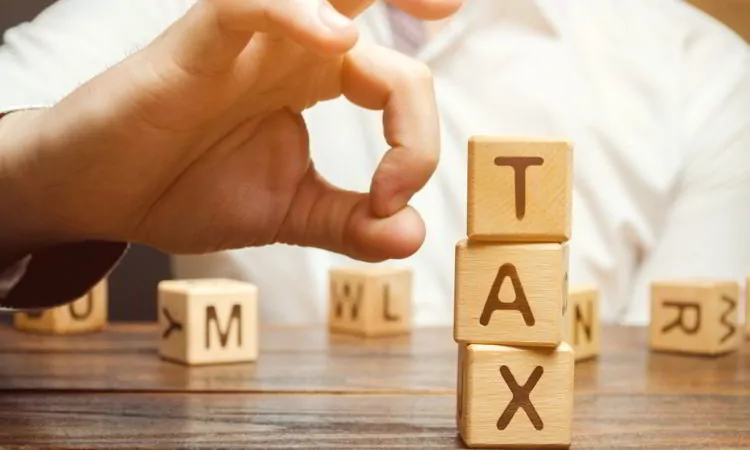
370 301
747 307
519 190
700 317
583 324
515 397
510 294
208 321
86 314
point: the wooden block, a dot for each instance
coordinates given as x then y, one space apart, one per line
86 314
747 307
510 294
699 317
515 397
208 321
370 301
583 322
519 191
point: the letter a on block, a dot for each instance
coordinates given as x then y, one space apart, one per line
510 294
520 304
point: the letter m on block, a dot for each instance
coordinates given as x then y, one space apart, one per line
224 331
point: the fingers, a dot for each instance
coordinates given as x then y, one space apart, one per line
423 9
382 79
214 32
341 221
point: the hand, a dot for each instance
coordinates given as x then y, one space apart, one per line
197 144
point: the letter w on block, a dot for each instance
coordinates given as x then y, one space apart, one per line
521 398
346 299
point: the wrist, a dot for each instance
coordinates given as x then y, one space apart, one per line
23 225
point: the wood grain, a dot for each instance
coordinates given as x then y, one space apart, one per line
310 389
124 358
256 421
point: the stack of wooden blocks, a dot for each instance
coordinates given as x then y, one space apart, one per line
515 373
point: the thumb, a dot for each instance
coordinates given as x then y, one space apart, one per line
340 221
210 37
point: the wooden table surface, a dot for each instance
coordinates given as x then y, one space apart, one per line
311 390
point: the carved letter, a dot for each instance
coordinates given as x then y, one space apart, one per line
83 315
224 335
731 307
387 316
172 325
519 165
682 307
520 398
581 322
493 302
346 298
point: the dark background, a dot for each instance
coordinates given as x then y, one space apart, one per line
133 284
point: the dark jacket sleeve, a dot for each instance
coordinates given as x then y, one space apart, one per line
58 275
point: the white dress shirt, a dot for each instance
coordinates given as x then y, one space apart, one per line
654 94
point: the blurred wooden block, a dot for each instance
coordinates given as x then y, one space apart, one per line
699 317
519 191
370 301
208 321
510 294
514 397
583 324
86 314
734 13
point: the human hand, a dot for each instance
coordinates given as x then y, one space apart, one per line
196 143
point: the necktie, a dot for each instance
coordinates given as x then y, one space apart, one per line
409 34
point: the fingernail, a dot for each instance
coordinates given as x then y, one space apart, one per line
332 19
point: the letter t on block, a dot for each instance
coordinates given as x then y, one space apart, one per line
519 191
208 321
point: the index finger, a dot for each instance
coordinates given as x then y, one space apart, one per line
423 9
382 79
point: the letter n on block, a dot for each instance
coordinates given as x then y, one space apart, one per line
370 301
519 190
208 321
583 322
510 294
700 317
513 397
86 314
